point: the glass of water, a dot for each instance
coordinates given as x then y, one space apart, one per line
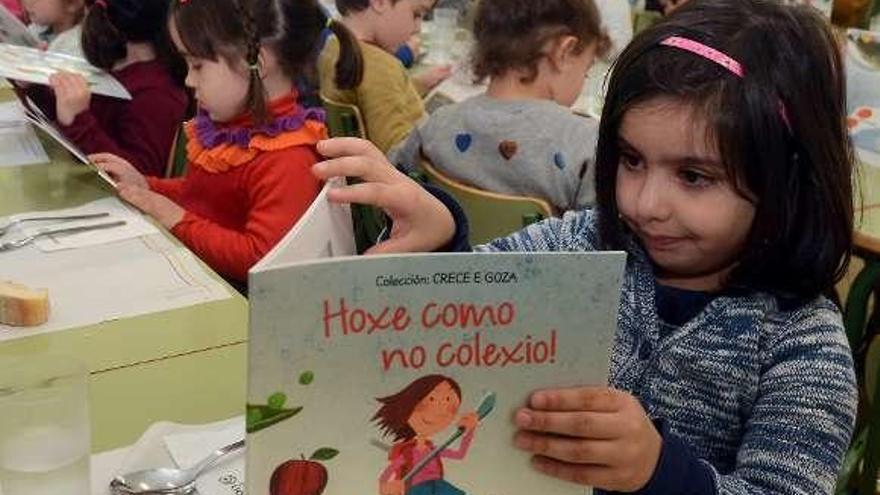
45 436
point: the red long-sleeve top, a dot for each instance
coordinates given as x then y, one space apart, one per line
240 202
142 129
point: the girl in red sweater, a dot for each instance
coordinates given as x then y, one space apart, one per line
252 145
129 39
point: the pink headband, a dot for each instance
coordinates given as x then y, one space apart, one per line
719 58
101 3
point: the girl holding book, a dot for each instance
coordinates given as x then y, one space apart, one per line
127 38
251 146
729 184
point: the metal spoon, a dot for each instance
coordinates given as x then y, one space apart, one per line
168 480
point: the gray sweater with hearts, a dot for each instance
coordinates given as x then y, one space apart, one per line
525 147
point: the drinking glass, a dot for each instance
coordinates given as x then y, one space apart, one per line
45 436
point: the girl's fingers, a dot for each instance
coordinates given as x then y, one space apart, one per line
354 166
589 475
348 146
596 399
593 425
573 450
366 193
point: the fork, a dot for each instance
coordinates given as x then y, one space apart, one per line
9 245
5 228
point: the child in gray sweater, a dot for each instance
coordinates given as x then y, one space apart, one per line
521 137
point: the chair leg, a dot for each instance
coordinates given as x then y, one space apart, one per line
857 302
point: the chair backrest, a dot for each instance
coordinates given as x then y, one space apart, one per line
176 166
490 215
343 119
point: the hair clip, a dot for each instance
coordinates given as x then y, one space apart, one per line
100 3
723 60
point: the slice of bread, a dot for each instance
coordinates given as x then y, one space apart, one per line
22 306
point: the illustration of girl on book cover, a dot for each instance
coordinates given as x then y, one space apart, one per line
425 408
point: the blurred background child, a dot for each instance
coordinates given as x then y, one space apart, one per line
57 23
129 39
358 66
521 137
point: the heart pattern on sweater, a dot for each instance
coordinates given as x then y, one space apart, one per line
463 141
508 149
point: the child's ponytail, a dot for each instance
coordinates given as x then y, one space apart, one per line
350 66
102 43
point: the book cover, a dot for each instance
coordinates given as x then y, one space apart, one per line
33 65
400 374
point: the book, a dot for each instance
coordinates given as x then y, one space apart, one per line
36 117
13 31
33 65
349 357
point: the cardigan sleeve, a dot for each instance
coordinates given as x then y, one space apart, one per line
800 426
280 189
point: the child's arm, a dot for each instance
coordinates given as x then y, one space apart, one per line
797 433
280 189
390 104
421 222
469 423
143 132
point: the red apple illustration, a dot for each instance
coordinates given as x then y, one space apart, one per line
302 477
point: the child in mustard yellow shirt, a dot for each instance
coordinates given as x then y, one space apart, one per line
358 66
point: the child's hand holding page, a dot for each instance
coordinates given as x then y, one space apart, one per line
421 221
72 95
595 436
119 169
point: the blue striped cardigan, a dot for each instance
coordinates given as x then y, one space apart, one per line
760 398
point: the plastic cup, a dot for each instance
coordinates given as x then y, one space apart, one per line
45 436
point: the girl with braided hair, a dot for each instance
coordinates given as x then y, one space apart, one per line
251 146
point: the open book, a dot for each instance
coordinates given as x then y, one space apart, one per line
351 358
28 64
35 116
13 31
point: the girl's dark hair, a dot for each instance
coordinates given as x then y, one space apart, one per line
237 29
110 24
512 34
799 178
350 64
392 418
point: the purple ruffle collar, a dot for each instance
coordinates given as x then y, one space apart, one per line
210 135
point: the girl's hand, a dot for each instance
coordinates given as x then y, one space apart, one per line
391 487
166 212
421 221
119 169
430 78
469 421
72 95
594 436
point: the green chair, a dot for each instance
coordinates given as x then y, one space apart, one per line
176 166
490 215
344 120
860 468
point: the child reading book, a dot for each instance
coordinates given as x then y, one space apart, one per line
251 145
728 181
